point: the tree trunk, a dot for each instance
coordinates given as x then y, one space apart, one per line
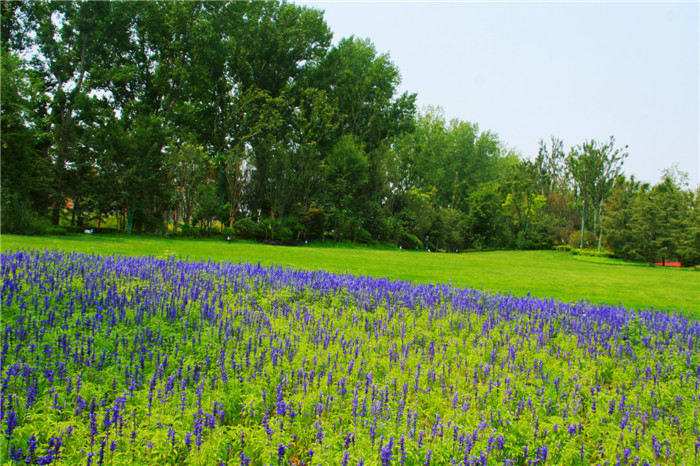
129 219
595 222
600 227
583 222
56 213
79 216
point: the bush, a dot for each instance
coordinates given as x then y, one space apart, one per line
107 231
36 227
55 230
248 229
226 232
283 235
75 228
592 253
589 239
363 236
409 241
190 232
536 246
295 225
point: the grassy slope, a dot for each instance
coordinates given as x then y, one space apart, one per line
542 273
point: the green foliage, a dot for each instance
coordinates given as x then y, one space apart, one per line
26 223
654 224
105 231
363 237
187 231
227 233
188 167
26 170
688 248
409 241
592 253
208 205
522 204
283 235
589 239
248 229
594 167
618 223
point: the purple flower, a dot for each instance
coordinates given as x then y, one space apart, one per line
281 448
385 453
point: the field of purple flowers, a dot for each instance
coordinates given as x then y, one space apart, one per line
119 360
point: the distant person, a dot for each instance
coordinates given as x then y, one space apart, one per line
426 243
228 239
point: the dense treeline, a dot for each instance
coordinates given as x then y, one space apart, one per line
174 117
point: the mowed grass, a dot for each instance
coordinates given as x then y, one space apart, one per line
542 274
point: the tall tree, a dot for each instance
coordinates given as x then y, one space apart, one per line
594 167
522 202
26 170
646 226
189 166
362 84
553 183
550 167
347 175
619 236
688 247
70 41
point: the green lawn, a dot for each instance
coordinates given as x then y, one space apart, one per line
542 273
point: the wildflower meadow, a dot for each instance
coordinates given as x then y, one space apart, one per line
122 360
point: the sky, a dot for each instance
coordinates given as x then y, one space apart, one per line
528 71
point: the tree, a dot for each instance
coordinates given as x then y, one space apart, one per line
26 170
552 182
278 44
619 236
550 167
668 199
594 167
451 160
189 166
70 41
208 206
136 156
522 202
312 124
646 226
362 85
688 247
347 177
485 216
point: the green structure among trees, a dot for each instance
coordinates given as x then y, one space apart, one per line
173 117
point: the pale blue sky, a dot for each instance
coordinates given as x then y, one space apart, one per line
530 70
